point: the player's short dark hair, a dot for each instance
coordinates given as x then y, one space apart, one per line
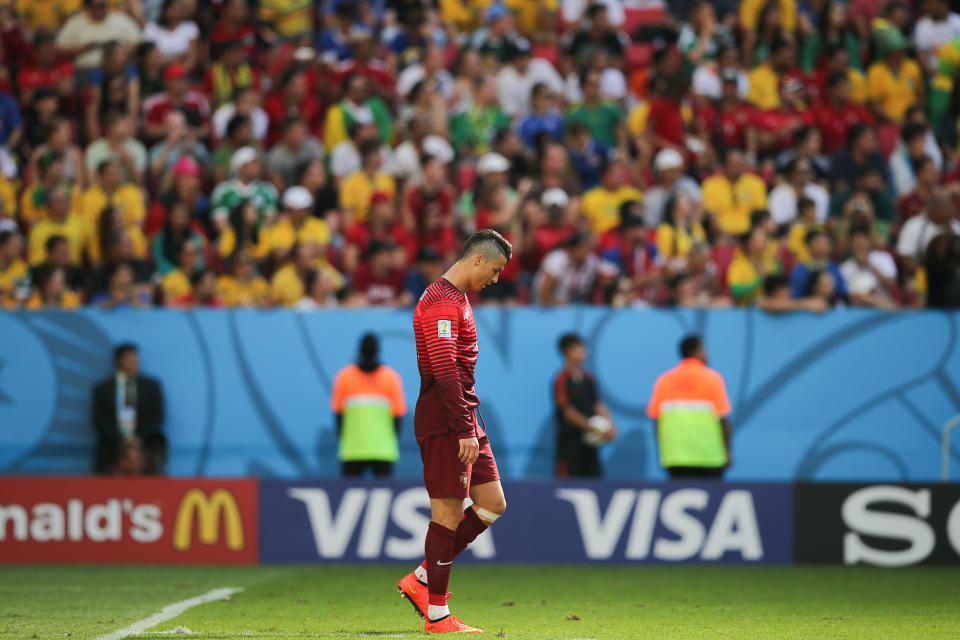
690 345
489 243
568 341
123 349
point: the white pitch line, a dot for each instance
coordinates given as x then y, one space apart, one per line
168 612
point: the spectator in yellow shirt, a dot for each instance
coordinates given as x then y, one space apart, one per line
112 191
297 226
48 15
178 284
34 203
287 285
242 286
51 291
243 224
601 205
357 188
732 195
679 231
766 77
895 82
13 270
287 20
751 264
60 221
8 199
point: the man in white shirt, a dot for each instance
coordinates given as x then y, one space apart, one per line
870 275
568 274
783 200
938 26
518 77
83 36
918 231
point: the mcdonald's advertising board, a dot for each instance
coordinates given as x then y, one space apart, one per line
112 520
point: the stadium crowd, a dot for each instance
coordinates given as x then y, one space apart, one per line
790 155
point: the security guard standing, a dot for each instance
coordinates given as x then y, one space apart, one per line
368 402
690 405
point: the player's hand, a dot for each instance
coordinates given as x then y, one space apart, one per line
469 450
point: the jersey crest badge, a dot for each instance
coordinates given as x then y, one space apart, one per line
443 329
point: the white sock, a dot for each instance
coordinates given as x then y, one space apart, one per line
435 611
421 573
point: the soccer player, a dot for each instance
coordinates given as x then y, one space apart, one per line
457 459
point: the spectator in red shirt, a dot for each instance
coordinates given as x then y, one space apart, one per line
293 99
732 122
436 231
777 128
365 63
836 114
383 226
178 95
235 26
915 202
378 280
665 126
433 191
45 70
550 223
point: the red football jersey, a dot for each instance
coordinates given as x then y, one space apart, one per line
446 356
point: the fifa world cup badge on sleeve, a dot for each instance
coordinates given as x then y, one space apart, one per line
443 329
464 479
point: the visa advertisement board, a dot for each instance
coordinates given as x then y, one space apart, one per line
136 520
546 522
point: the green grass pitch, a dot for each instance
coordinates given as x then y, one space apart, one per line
507 601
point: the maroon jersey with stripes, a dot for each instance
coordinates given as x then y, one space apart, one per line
446 356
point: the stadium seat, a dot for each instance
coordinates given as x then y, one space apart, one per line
636 18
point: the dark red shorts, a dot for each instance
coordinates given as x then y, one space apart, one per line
443 473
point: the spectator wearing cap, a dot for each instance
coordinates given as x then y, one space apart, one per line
296 147
61 220
178 142
357 188
177 95
752 263
551 224
670 180
379 280
174 34
230 74
784 198
472 132
111 190
360 107
679 231
731 195
820 247
286 20
383 226
492 40
239 133
603 118
368 403
894 81
82 37
34 201
245 185
119 143
184 188
568 274
296 225
520 75
13 269
542 120
292 97
601 205
241 285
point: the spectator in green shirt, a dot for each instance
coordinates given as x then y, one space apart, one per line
604 119
473 131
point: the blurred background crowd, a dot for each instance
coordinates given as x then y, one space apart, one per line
794 155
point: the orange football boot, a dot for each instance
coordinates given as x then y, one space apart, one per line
415 592
449 624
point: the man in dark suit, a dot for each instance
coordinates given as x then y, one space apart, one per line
128 417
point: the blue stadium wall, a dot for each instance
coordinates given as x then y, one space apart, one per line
848 396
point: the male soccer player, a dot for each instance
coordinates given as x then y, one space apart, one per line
457 459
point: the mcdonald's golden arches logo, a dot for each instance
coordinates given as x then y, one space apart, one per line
209 510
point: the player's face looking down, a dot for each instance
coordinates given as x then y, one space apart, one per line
485 271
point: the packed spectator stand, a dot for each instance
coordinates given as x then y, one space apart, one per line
285 153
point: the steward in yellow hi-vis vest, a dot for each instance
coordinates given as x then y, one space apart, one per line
368 402
691 406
